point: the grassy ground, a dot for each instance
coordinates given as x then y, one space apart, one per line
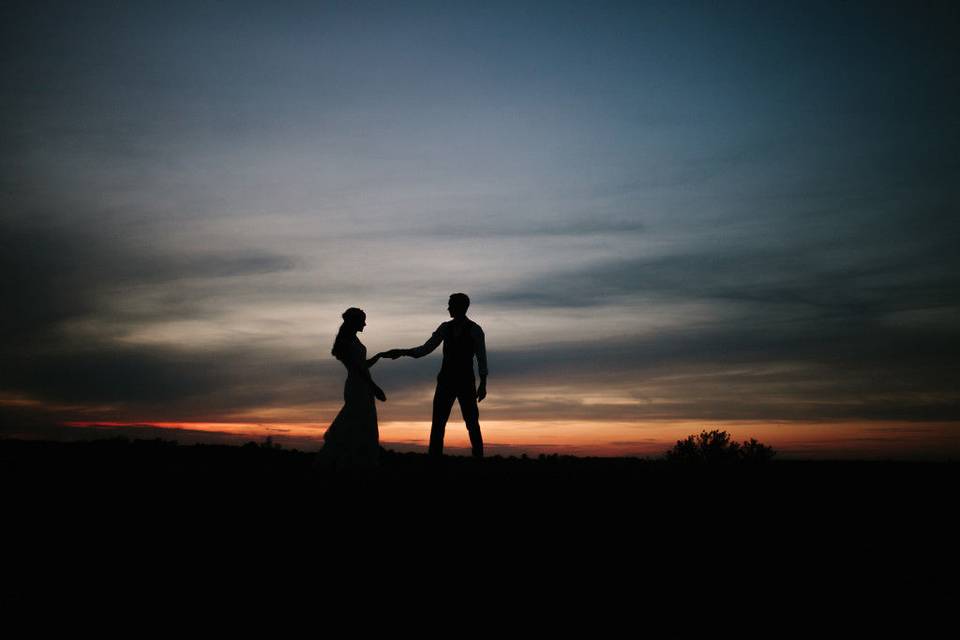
159 468
150 513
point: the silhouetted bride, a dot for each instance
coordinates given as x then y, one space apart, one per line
353 439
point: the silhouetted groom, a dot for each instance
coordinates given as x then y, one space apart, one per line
462 340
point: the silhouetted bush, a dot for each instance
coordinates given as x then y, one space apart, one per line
753 451
716 447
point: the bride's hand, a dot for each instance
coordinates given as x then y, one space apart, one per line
379 394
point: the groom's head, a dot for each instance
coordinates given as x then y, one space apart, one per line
458 305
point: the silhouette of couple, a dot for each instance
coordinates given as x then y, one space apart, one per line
353 440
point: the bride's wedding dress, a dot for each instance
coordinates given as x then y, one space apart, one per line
353 439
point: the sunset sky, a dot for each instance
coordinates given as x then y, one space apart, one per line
668 215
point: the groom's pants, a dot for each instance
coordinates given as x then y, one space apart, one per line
464 390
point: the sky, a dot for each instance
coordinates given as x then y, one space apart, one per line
669 216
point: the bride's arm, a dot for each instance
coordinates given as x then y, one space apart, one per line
377 391
359 365
372 361
365 372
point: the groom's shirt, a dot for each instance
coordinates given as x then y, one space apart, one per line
462 340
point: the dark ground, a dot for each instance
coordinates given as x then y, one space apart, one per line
243 509
125 468
167 467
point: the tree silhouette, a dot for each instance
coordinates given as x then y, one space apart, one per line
716 447
756 452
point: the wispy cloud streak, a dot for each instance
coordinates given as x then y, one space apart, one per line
661 212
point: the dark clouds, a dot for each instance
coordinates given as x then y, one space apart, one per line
58 273
56 269
667 210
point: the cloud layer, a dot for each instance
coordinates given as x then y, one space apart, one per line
668 212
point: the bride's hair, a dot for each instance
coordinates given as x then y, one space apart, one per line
351 317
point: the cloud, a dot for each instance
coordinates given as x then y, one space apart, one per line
56 269
657 227
801 344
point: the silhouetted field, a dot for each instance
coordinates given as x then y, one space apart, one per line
161 467
155 511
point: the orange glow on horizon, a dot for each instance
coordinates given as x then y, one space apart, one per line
613 438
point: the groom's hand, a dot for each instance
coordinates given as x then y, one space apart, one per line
393 354
482 391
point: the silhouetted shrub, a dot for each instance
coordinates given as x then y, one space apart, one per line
755 452
716 447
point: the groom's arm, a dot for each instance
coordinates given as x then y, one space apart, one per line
427 347
480 350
